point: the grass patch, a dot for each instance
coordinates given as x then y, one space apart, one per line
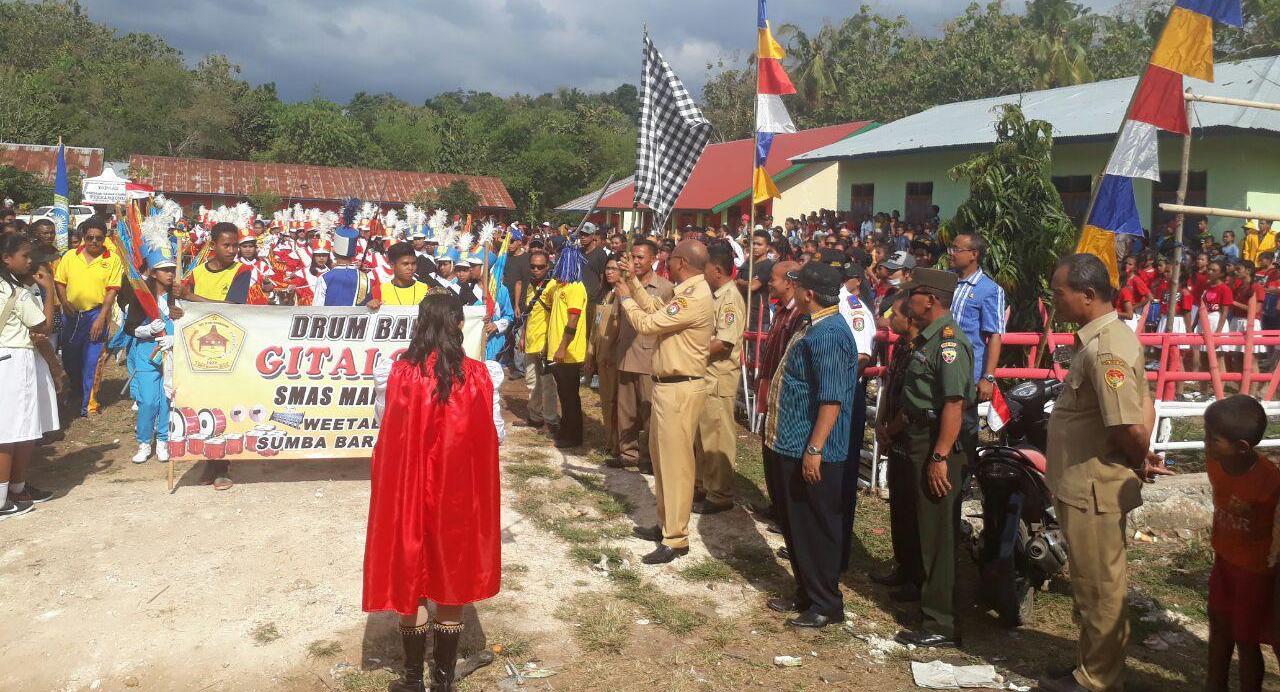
590 554
570 532
323 648
367 681
599 623
1175 575
526 471
708 570
265 633
661 608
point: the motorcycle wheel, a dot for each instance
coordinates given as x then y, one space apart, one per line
1024 584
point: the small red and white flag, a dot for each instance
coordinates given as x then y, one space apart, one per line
999 414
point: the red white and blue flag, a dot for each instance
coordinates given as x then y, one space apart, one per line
771 113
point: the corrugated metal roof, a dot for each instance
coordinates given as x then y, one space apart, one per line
724 169
583 203
295 181
1078 112
42 160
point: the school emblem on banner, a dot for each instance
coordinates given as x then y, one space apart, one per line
213 343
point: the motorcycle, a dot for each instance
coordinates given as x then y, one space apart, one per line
1016 540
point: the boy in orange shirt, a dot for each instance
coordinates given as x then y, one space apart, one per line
1246 491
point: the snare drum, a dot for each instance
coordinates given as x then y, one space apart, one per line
213 422
195 444
177 445
235 444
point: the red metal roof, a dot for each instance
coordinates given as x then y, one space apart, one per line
725 169
43 160
296 181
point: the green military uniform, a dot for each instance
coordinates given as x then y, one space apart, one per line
941 368
1094 488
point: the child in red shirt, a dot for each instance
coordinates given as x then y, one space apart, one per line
1246 493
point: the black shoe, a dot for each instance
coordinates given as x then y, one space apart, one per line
708 507
618 463
924 639
568 444
13 508
32 494
535 424
645 468
893 577
663 554
553 429
648 533
699 495
783 553
406 686
813 619
908 593
1061 683
764 512
783 604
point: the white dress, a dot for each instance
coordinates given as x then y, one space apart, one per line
31 402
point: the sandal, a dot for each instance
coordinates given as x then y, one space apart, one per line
222 483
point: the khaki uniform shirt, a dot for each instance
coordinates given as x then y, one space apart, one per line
683 326
604 333
635 351
730 309
1106 387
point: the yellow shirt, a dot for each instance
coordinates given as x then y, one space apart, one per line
410 295
535 323
88 280
568 299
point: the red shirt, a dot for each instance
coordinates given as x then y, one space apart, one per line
1186 300
1199 282
1243 294
1244 509
1149 275
1215 298
1160 289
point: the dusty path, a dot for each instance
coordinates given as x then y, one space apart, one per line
118 585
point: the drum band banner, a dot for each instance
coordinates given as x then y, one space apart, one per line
256 382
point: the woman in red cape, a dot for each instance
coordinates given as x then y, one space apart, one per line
433 514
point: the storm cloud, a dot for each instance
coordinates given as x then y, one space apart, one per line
416 49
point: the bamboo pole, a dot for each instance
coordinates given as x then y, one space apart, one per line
1179 220
1225 101
1216 211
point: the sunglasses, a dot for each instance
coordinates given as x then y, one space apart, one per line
953 250
537 266
94 238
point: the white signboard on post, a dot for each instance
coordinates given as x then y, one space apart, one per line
107 188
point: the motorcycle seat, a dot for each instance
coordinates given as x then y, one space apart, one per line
1035 456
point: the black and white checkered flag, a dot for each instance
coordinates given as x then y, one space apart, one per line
673 133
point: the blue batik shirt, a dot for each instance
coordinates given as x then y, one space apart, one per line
820 366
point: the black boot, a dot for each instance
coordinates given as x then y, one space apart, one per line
415 650
444 655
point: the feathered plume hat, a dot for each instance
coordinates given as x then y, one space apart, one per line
568 267
159 246
346 235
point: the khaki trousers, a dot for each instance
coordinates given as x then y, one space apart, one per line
676 407
634 397
718 446
543 406
1099 579
608 373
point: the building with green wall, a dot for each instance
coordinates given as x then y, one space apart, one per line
904 165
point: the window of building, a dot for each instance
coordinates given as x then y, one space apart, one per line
1075 191
862 200
918 206
1166 191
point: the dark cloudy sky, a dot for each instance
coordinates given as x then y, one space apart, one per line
419 48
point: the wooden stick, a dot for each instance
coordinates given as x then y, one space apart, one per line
1175 277
1216 211
1223 100
170 475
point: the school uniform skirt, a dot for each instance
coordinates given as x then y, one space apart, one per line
1241 324
30 392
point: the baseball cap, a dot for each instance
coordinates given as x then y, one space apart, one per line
818 277
900 260
546 224
588 228
831 257
931 280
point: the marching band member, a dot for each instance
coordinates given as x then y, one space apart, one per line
151 340
346 284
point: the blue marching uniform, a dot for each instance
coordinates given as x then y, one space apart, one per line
146 384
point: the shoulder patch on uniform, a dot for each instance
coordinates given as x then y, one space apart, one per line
676 305
1114 378
688 291
948 344
948 332
730 317
854 302
858 324
949 353
1114 361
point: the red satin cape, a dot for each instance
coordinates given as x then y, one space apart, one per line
434 509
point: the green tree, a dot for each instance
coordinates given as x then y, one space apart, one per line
1014 205
457 198
264 200
1061 44
24 188
317 132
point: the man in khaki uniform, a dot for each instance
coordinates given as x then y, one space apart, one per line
717 447
602 357
1098 457
683 328
635 366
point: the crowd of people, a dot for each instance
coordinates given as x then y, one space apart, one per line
675 332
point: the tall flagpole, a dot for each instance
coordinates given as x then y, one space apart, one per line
751 228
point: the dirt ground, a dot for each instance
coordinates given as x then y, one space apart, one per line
118 585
